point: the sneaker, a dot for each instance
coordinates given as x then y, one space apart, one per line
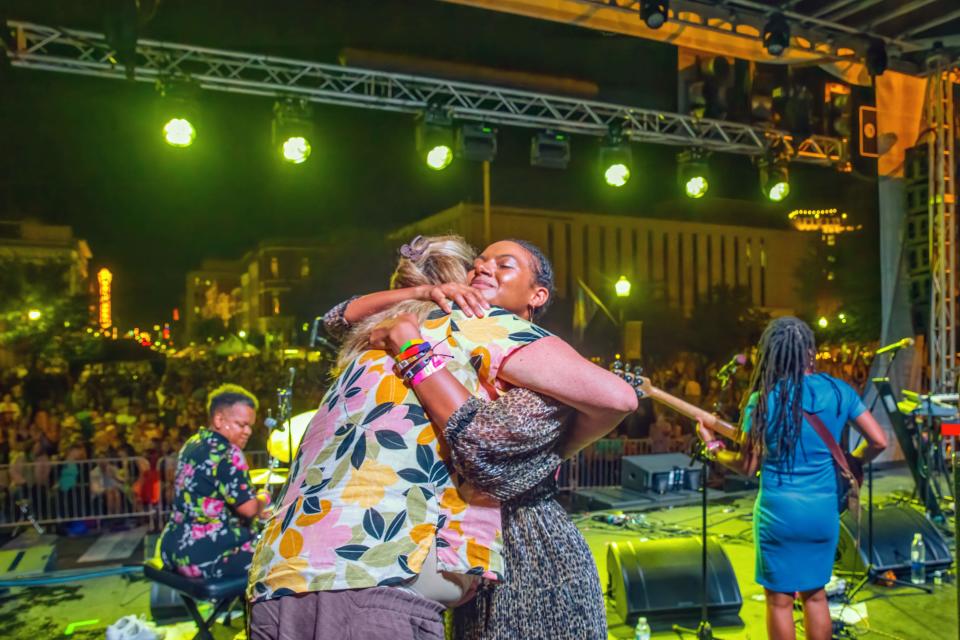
132 628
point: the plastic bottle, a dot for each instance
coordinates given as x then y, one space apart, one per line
918 560
642 630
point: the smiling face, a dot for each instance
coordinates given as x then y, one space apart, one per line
235 423
505 273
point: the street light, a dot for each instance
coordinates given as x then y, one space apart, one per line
823 322
622 287
34 314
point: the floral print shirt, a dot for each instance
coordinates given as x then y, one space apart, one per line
371 489
203 530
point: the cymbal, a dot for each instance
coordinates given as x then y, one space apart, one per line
278 443
268 476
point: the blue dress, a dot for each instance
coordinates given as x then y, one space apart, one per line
795 521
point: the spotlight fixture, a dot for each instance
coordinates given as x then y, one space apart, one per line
477 142
434 137
550 150
654 14
292 130
615 159
776 35
876 57
774 171
178 112
692 173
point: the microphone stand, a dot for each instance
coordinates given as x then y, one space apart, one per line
703 631
870 570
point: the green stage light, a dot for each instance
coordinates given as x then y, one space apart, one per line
779 190
178 132
617 175
616 158
434 137
696 187
296 149
823 323
439 157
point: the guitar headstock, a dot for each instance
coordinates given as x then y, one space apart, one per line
632 376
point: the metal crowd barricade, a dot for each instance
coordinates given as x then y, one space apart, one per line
70 490
124 488
599 464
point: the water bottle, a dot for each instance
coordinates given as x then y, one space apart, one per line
918 560
642 630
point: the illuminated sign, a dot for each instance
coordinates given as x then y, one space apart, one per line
105 278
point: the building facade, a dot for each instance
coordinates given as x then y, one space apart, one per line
262 293
44 246
680 260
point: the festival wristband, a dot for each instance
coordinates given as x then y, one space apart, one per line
436 364
406 363
407 373
264 497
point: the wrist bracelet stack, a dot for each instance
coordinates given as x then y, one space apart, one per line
416 362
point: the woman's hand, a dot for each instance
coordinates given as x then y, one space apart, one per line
470 300
705 435
391 334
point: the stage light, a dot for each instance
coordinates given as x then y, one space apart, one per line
434 138
776 35
296 149
692 173
876 57
622 287
842 317
823 322
550 150
477 142
242 334
775 176
178 112
34 314
178 132
654 14
291 130
439 157
615 159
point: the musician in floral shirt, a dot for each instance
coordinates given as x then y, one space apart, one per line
209 533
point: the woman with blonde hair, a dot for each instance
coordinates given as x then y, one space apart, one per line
383 545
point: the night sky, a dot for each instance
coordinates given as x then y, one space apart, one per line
88 152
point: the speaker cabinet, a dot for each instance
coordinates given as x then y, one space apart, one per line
893 530
659 472
661 580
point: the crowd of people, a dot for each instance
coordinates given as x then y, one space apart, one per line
130 418
133 420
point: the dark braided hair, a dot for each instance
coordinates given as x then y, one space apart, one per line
786 351
542 273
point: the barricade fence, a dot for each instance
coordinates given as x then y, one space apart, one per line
106 489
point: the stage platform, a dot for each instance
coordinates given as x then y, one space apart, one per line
37 613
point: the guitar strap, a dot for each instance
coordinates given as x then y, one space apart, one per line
840 459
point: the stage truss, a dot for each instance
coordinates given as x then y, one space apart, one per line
942 209
87 53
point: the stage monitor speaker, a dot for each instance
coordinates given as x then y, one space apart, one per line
659 472
893 531
661 580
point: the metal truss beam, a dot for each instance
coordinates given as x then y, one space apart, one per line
85 53
942 209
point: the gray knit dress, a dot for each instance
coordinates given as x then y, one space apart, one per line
551 588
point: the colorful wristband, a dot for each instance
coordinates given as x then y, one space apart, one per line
409 344
435 364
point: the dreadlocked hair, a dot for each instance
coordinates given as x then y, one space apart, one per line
785 353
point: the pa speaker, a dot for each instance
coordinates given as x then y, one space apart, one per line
659 472
661 580
893 531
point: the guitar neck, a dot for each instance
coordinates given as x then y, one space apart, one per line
694 412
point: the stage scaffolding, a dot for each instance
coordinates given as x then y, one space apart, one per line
941 141
87 53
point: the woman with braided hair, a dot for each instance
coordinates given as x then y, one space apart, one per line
795 519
